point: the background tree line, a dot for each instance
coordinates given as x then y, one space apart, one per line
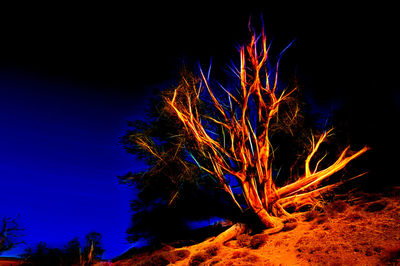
73 253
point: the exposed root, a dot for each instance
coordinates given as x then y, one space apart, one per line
276 229
231 233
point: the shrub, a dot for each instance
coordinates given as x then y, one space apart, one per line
258 240
177 255
310 215
199 258
213 250
243 240
376 206
338 206
253 259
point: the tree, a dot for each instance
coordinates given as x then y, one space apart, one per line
93 249
235 142
9 234
72 254
43 255
173 187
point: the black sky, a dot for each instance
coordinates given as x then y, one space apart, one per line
133 47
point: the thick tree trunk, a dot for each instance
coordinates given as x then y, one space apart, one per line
268 220
254 201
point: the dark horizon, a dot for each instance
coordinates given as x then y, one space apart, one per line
70 79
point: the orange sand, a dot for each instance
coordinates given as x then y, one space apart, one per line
362 230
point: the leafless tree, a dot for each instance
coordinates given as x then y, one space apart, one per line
9 234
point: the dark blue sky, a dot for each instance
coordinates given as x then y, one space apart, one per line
70 78
59 160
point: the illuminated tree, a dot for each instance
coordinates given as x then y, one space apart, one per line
235 140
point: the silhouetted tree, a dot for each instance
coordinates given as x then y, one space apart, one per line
93 249
72 254
9 234
43 255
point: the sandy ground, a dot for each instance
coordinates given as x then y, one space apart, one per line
9 262
363 229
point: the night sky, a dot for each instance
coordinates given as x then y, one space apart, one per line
70 76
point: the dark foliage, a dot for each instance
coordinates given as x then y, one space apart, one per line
173 189
93 238
199 258
43 255
71 254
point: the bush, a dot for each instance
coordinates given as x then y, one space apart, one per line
213 250
310 215
338 206
253 259
258 240
178 255
376 206
199 258
243 240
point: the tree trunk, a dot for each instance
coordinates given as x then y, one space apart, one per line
252 197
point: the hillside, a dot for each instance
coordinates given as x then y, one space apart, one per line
363 229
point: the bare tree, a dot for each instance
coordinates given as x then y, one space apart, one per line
9 234
236 140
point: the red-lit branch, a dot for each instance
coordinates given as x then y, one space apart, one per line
250 148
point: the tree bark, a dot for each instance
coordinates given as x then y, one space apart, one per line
232 232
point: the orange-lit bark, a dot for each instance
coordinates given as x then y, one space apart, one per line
250 148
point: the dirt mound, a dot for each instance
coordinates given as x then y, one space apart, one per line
362 230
